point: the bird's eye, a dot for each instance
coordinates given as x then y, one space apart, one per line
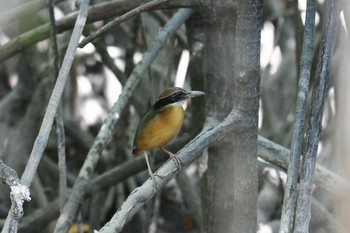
178 96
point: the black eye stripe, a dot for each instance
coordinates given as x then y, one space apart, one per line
178 96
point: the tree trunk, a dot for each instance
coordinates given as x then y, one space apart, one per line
232 164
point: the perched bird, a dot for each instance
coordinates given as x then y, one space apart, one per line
162 122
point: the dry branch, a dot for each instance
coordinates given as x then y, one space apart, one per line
290 194
41 140
61 140
118 20
102 11
187 155
303 210
45 129
267 150
104 135
19 194
279 156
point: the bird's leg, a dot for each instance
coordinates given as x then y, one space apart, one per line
173 157
151 174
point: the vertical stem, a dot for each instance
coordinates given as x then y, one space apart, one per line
290 194
61 155
303 210
246 100
219 58
45 129
233 81
61 142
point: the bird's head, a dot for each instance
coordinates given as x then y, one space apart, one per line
175 96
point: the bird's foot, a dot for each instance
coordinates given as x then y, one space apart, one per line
176 159
152 175
154 181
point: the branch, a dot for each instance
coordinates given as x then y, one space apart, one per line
97 12
61 141
290 194
278 155
267 150
105 132
187 155
303 210
19 194
118 20
41 140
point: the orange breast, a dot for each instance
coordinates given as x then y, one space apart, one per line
162 129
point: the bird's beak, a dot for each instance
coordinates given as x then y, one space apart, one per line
192 94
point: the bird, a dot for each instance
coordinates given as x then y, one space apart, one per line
162 122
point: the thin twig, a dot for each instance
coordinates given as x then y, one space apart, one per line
19 194
108 61
102 11
41 140
303 210
290 194
120 19
61 141
187 155
8 175
105 132
324 178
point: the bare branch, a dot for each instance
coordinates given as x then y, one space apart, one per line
105 132
303 210
97 12
41 140
115 22
290 194
278 155
267 150
8 175
61 141
187 155
19 194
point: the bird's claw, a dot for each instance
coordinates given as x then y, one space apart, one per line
156 187
177 160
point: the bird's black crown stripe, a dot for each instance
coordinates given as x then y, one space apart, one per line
173 98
